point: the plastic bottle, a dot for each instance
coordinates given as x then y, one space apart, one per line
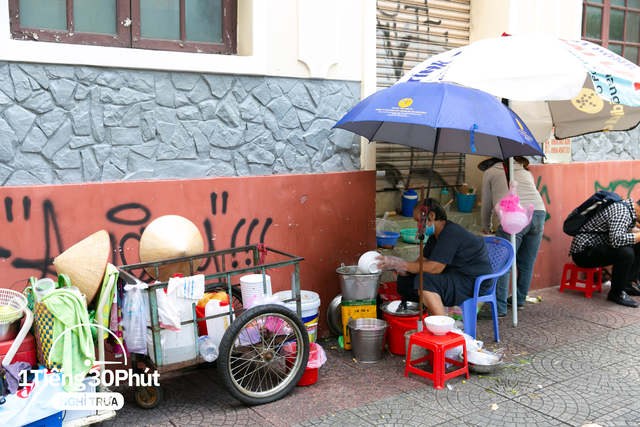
208 349
216 327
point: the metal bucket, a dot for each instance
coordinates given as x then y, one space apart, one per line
357 286
367 339
416 351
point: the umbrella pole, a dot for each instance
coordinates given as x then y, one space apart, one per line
421 234
514 283
420 279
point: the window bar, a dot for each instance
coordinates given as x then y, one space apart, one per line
183 21
70 23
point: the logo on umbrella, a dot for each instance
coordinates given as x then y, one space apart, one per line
404 103
588 102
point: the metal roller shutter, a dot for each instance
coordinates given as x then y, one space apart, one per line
408 32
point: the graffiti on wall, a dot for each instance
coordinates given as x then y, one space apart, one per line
629 185
544 193
124 223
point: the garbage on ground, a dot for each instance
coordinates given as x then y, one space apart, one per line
472 345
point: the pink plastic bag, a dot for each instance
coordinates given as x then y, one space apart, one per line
317 356
513 215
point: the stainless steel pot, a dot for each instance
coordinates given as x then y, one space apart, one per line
357 286
9 330
367 339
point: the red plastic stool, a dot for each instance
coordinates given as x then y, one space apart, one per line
588 286
437 344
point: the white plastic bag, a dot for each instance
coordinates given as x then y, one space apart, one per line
168 315
472 345
134 318
383 224
483 357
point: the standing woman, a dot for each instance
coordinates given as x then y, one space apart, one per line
495 187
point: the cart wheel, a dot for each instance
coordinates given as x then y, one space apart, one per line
252 365
236 296
148 397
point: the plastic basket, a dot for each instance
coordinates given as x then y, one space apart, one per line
15 301
389 291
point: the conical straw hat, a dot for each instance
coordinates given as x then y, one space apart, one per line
170 236
85 263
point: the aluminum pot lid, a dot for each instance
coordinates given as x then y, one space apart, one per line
334 315
411 310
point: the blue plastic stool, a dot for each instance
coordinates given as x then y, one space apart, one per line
501 255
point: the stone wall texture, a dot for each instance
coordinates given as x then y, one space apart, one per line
65 124
601 146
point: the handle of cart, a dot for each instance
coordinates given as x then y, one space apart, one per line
264 351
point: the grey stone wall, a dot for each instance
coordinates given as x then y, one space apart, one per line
603 146
64 124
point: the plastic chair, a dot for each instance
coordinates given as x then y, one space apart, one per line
501 255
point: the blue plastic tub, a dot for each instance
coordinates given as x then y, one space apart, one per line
465 202
388 238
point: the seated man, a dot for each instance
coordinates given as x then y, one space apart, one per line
610 238
453 259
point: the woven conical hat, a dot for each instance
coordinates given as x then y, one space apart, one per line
170 236
85 263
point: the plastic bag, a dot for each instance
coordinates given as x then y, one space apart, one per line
134 318
382 225
472 345
317 356
273 324
513 215
483 357
168 314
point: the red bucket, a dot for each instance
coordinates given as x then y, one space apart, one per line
398 325
310 375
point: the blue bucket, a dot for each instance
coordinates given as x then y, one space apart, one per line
465 202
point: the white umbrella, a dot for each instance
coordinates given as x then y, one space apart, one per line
579 87
572 86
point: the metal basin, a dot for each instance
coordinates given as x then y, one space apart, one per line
9 330
357 286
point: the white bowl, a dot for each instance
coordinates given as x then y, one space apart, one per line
439 325
368 264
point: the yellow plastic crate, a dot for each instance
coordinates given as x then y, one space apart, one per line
357 309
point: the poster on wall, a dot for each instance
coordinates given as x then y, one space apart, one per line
557 150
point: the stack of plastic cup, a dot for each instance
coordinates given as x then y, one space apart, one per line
251 285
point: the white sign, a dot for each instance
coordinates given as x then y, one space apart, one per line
557 150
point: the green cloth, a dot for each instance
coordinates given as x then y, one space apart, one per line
110 275
74 350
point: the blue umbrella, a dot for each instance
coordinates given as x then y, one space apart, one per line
441 118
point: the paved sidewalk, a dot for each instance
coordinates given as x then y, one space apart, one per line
570 361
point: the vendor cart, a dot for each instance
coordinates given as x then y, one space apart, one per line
252 362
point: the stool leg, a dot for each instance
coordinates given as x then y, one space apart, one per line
599 286
563 282
438 370
588 286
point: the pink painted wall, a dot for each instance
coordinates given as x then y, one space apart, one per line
564 187
328 219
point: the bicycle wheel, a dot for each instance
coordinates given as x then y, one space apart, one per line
236 296
252 364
